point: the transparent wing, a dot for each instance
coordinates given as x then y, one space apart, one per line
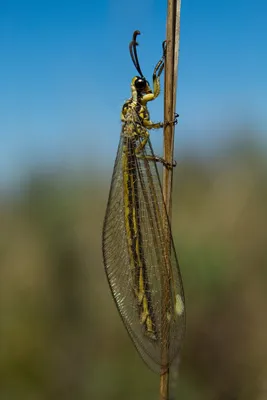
161 280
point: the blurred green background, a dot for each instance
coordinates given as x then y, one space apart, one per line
61 336
65 72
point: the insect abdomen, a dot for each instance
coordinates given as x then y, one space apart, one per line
141 287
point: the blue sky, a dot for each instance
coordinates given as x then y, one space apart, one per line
65 72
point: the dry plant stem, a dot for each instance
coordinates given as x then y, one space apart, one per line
176 50
171 68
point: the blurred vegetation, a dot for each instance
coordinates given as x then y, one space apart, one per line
60 334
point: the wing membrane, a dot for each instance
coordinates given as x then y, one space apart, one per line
139 255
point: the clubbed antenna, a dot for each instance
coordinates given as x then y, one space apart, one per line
133 53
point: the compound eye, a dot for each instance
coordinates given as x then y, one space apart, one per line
140 84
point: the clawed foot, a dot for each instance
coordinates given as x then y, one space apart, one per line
174 122
166 164
170 165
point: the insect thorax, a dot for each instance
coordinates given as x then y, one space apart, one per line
133 115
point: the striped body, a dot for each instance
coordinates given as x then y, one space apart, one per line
134 238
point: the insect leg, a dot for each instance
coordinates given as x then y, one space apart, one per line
160 65
139 154
173 122
152 125
156 75
156 125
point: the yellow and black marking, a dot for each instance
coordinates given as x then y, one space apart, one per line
134 239
138 248
135 139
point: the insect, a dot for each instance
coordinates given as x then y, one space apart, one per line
138 249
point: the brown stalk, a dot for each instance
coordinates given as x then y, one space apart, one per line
170 86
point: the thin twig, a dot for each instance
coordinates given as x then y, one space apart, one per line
176 50
171 73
